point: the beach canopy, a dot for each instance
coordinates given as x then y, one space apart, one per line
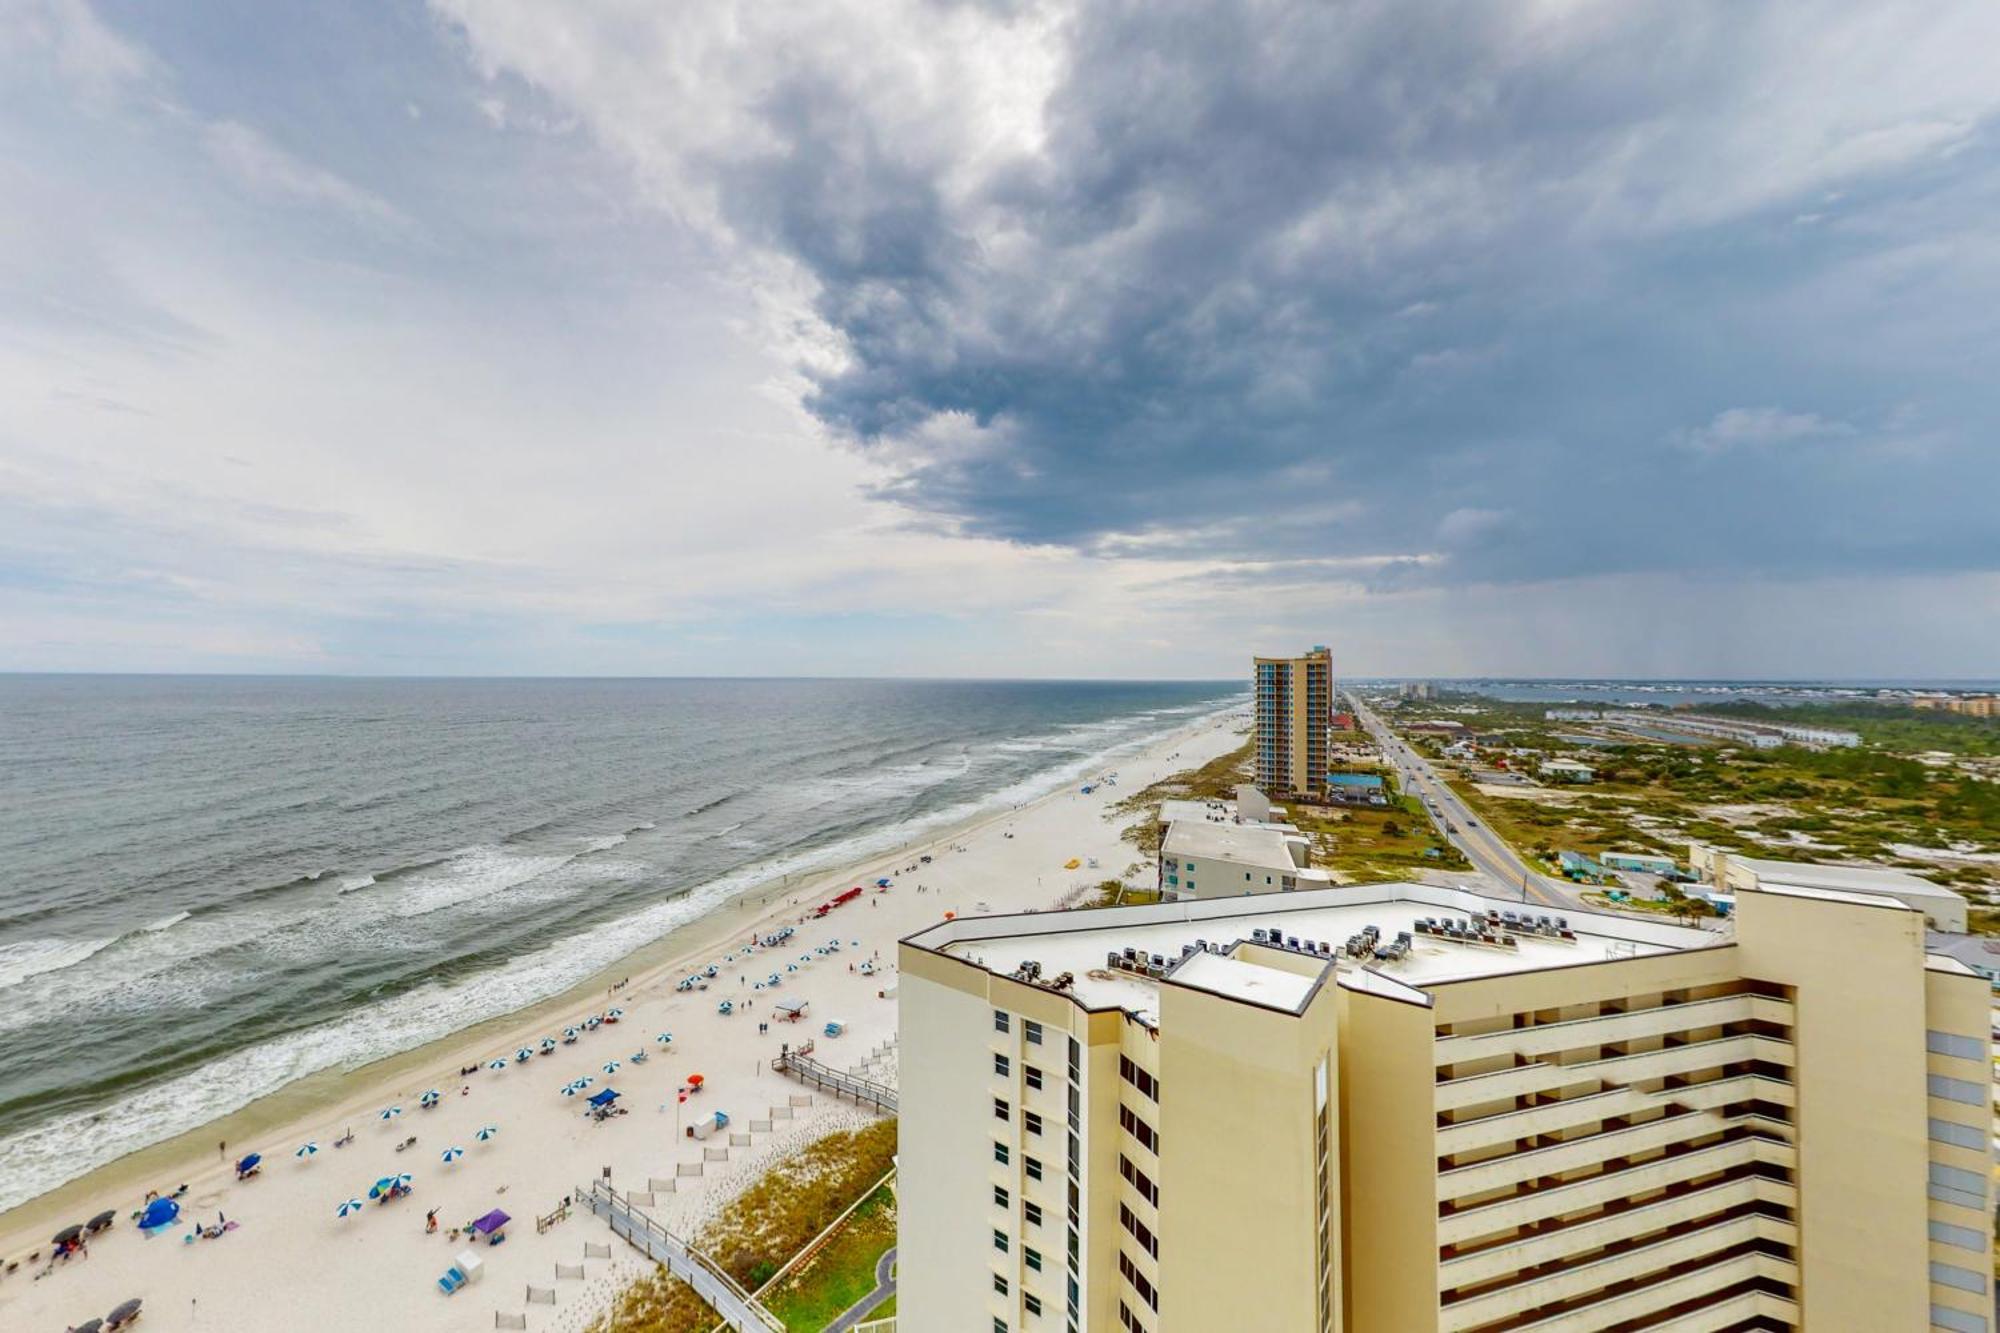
306 1150
524 1054
548 1043
615 1013
665 1039
388 1184
249 1162
498 1062
570 1090
102 1220
486 1132
123 1312
491 1223
605 1098
388 1113
569 1032
351 1206
430 1098
159 1213
585 1081
451 1154
67 1234
610 1066
694 1079
88 1326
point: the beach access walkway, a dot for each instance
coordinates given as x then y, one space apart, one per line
800 1065
735 1306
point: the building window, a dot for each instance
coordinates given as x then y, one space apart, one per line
1129 1070
1963 1136
999 1284
1034 1076
1032 1256
999 1152
1032 1212
1964 1279
1000 1195
1001 1066
1032 1303
999 1240
1964 1238
1139 1129
1032 1030
999 1324
1138 1280
1139 1180
1000 1020
1959 1090
1946 1043
1032 1121
1140 1231
1034 1168
1001 1110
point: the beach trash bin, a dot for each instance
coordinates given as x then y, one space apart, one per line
471 1266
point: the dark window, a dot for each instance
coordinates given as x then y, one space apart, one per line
1129 1070
1138 1281
1140 1231
1034 1167
1000 1240
1000 1196
1034 1076
1032 1256
999 1152
1032 1212
1000 1065
1139 1129
1002 1111
1000 1284
1000 1020
1032 1121
1139 1180
1032 1303
1032 1030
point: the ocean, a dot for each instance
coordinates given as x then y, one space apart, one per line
210 887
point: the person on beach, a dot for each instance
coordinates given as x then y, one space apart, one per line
222 1150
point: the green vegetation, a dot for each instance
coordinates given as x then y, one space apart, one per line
842 1273
765 1226
774 1219
1371 845
1215 780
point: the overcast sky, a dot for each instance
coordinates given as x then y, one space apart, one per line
990 338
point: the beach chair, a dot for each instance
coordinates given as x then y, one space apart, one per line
452 1280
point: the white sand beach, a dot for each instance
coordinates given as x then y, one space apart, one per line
290 1262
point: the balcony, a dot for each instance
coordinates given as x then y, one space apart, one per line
1615 1071
1632 1140
1609 1029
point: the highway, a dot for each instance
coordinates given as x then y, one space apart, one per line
1460 826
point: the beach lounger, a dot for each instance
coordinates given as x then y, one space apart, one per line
451 1281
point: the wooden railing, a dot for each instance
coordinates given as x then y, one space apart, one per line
803 1067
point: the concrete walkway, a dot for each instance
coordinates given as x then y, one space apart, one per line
885 1287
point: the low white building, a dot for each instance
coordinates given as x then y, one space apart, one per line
1732 871
1566 770
1205 859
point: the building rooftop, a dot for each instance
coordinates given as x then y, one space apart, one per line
1251 844
1860 879
1078 943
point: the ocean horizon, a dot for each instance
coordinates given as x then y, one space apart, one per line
216 885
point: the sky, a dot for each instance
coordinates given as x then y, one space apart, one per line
997 338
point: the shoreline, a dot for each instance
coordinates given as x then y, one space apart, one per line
321 1103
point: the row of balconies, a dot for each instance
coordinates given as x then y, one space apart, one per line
1605 1029
1515 1169
1544 1076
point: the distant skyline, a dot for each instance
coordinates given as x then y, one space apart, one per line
1000 339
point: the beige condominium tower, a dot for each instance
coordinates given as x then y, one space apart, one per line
1400 1108
1294 710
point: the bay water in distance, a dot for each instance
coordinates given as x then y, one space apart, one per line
211 886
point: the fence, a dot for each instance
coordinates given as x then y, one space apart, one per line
735 1305
808 1070
503 1320
592 1251
569 1270
541 1295
874 1326
543 1223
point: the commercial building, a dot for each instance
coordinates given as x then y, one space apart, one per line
1642 862
1572 714
1357 788
1389 1109
1566 770
1972 705
1209 859
1734 872
1757 735
1294 710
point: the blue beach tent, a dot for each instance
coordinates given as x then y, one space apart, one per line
605 1098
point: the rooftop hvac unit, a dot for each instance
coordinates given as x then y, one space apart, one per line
1259 934
1291 942
1112 960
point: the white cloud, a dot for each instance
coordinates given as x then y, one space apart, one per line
1762 427
253 161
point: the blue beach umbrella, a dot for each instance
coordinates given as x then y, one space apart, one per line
615 1013
350 1206
451 1154
381 1187
306 1150
570 1090
665 1039
430 1098
486 1132
548 1044
570 1033
388 1113
498 1062
610 1066
585 1081
524 1054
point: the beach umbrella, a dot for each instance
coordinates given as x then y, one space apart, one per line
498 1062
586 1081
249 1162
306 1150
615 1013
430 1098
451 1154
88 1326
694 1080
570 1090
102 1220
524 1054
388 1113
350 1206
67 1234
486 1132
569 1032
123 1312
548 1044
610 1066
665 1039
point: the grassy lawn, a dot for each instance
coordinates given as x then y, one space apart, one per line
840 1274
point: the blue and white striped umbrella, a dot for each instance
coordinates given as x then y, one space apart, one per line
524 1054
615 1013
486 1132
611 1066
584 1082
350 1206
451 1154
306 1150
429 1098
665 1039
569 1032
791 967
548 1043
497 1062
388 1113
570 1090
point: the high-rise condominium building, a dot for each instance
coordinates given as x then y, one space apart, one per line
1294 707
1397 1108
